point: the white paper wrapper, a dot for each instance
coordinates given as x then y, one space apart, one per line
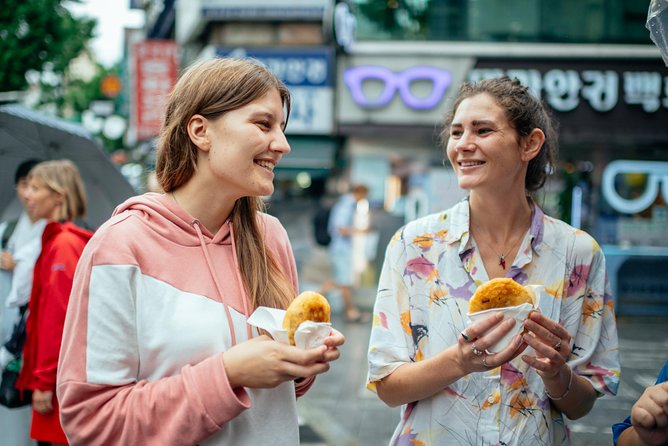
518 312
308 335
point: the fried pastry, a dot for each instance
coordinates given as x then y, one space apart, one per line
308 306
498 293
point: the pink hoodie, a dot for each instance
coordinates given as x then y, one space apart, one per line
156 300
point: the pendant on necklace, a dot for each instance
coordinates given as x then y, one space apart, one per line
502 262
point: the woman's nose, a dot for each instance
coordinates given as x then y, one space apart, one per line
465 142
280 143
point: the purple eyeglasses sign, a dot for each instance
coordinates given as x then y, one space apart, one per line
354 78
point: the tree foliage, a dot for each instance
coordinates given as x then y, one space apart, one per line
396 18
35 34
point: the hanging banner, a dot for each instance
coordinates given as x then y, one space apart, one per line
154 73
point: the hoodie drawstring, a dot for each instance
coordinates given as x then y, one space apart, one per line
240 282
212 271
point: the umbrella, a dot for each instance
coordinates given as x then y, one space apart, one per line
25 134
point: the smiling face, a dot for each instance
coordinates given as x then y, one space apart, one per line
484 148
242 147
41 201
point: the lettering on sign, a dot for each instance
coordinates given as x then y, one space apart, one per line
564 90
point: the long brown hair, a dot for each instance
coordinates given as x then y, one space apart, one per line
212 88
62 177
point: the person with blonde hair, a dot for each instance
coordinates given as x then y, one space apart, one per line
55 193
157 347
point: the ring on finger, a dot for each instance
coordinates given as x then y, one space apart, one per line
557 346
484 362
475 350
465 336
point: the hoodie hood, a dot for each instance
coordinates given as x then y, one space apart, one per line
164 216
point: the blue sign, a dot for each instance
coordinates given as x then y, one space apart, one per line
303 67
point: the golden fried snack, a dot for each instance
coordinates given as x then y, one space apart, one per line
498 293
308 306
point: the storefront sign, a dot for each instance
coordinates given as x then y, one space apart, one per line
565 89
404 90
656 171
393 82
307 73
596 101
154 73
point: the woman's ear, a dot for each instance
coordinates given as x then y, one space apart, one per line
532 144
197 126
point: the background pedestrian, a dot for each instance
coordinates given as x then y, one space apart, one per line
55 193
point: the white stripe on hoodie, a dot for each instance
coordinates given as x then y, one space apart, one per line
141 359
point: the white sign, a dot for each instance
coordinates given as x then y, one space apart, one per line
657 172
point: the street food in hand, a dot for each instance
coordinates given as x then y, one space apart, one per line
308 306
498 293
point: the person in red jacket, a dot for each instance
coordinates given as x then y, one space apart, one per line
55 193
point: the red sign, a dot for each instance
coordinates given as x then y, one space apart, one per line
155 70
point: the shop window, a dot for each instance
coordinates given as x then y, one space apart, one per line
573 21
643 286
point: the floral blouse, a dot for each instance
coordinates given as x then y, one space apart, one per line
432 268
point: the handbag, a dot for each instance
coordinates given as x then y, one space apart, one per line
10 396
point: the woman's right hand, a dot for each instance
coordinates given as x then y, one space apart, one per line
42 401
262 362
7 261
483 334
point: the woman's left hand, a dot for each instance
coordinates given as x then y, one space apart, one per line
551 342
42 401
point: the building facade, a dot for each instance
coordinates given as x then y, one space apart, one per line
372 82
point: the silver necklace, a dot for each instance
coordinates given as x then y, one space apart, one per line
502 256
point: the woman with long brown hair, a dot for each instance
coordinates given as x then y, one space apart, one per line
157 348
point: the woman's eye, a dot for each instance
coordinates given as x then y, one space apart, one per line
264 124
484 131
455 133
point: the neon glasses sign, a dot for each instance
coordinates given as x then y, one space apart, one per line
354 78
657 172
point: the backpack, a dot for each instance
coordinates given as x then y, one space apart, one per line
320 226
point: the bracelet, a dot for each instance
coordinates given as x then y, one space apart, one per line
568 388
